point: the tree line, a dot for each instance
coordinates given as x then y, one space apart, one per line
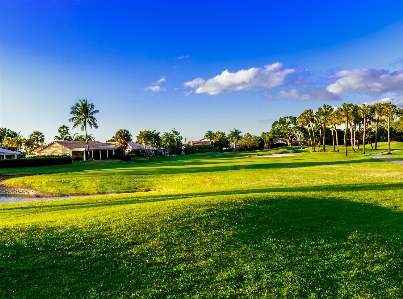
360 123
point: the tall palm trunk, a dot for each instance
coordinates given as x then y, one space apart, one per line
334 146
324 137
337 138
351 138
364 134
376 133
389 118
313 140
358 141
345 136
87 153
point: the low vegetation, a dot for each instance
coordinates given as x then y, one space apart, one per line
214 225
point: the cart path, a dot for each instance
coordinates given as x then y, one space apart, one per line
386 158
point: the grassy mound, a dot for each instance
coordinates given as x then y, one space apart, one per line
314 225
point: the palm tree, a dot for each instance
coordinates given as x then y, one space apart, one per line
123 137
177 137
63 133
336 120
390 110
306 119
365 111
210 136
168 140
83 114
234 137
344 112
324 115
37 138
379 113
145 138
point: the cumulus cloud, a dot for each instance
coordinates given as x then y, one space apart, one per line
397 102
367 81
270 76
155 87
314 93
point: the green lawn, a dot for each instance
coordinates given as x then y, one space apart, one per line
314 225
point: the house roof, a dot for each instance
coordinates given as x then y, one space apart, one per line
4 151
135 145
78 145
203 142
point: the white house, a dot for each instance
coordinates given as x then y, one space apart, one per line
7 154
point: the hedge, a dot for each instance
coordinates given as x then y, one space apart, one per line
36 161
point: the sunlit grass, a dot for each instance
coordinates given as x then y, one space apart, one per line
314 225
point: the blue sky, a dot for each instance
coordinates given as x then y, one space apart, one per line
193 65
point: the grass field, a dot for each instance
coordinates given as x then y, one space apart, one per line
314 225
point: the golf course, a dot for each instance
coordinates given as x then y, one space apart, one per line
212 225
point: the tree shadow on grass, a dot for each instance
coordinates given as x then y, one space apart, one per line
148 197
294 247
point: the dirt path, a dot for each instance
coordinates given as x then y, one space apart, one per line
386 158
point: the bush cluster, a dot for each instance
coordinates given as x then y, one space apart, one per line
125 158
36 161
195 150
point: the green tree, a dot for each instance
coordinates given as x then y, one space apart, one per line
324 115
13 143
379 112
307 120
35 140
147 138
83 115
177 137
365 113
336 120
286 127
390 111
77 137
220 140
63 133
345 113
4 132
209 135
247 141
168 141
234 136
123 137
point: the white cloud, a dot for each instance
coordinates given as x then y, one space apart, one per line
186 93
268 77
183 57
367 81
397 102
159 81
314 93
154 87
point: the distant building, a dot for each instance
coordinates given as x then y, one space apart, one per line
200 143
76 149
7 154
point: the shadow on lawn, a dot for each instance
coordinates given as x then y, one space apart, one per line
331 247
128 200
200 167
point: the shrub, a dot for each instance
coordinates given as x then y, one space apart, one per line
36 161
125 158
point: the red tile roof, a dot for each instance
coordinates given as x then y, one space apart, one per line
78 145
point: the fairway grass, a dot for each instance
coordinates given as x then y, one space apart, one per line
313 225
